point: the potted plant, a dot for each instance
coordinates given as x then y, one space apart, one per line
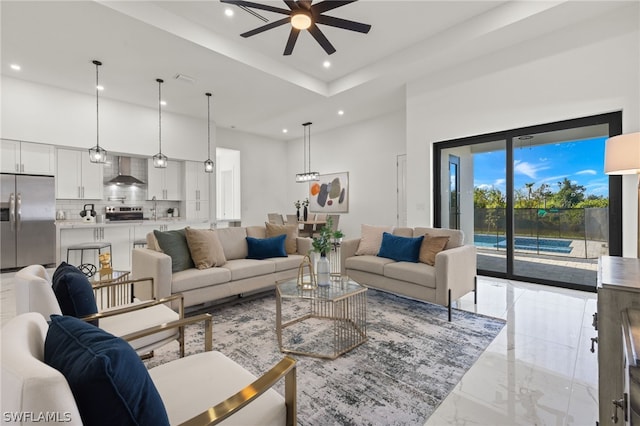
305 212
337 235
297 205
322 245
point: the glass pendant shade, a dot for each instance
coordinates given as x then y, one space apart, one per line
160 160
209 164
307 175
97 154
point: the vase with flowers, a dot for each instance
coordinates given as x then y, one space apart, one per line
322 244
297 205
305 211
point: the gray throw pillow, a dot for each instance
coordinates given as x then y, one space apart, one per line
174 244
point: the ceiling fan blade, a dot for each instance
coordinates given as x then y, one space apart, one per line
292 4
293 36
321 39
263 28
257 6
329 5
343 23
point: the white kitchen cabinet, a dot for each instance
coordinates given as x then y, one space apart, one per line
118 236
77 178
196 191
26 157
166 183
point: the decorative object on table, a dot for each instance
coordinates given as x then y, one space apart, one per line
96 153
307 175
160 160
304 283
88 269
305 211
323 245
336 242
297 205
105 264
330 194
88 213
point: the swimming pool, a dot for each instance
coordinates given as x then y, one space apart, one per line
524 243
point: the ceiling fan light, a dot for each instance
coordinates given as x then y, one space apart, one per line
301 20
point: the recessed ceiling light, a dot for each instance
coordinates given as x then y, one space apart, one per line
15 67
285 131
341 112
163 103
326 64
228 12
100 87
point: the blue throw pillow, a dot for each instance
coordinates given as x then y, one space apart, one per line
108 380
74 292
264 248
400 249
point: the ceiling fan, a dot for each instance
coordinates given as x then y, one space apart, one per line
302 15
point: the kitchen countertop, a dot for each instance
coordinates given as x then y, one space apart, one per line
70 224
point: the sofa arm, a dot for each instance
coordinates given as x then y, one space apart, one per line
151 263
348 249
456 271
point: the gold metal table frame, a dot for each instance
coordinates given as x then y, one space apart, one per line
335 318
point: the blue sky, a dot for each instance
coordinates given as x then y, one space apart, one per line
581 162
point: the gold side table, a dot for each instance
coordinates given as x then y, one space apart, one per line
325 322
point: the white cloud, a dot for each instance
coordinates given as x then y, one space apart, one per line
587 172
528 169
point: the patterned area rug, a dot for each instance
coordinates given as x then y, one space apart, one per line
414 357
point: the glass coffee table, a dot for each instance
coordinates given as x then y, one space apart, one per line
325 322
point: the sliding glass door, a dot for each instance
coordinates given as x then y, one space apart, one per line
534 201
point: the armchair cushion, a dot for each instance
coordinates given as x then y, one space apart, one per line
74 292
107 378
174 244
264 248
400 249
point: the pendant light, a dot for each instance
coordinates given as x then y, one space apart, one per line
208 165
160 160
307 175
97 154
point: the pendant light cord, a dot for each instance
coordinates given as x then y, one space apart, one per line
97 64
208 125
160 81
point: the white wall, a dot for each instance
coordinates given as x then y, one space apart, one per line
368 151
587 69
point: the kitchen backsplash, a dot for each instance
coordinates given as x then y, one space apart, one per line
72 208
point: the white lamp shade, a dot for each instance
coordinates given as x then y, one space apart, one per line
622 154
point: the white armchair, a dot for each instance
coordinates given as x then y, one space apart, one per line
193 389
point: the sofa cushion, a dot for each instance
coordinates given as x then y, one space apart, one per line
371 238
367 263
233 242
107 378
196 278
248 268
291 231
430 247
205 248
400 249
287 263
403 231
417 273
74 292
264 248
456 236
174 244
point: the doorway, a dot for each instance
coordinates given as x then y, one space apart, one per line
534 201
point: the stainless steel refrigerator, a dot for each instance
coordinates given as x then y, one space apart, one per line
27 221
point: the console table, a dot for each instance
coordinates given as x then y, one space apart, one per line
618 290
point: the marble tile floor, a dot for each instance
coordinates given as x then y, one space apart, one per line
538 370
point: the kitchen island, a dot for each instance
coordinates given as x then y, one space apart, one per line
121 234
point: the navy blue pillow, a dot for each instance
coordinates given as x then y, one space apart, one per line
74 292
264 248
400 249
108 380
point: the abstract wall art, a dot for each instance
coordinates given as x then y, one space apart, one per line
330 194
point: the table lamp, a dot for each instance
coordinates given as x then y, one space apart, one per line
622 157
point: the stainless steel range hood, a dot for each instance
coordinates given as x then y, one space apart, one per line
124 174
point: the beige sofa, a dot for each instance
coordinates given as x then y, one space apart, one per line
452 276
237 276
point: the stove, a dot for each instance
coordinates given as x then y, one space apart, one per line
116 213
